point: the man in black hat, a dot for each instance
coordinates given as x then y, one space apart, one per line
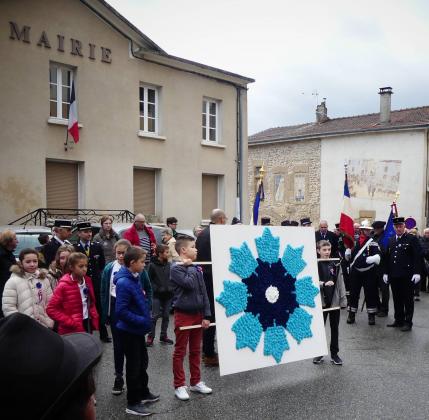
96 263
265 221
285 223
45 375
294 223
305 222
383 288
62 232
402 270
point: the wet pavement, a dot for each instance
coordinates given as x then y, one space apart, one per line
385 376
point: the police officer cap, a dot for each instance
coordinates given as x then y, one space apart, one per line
305 221
294 223
398 220
265 221
378 224
62 223
285 223
83 226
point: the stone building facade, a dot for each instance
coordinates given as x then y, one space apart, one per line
291 181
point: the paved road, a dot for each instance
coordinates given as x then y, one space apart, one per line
385 376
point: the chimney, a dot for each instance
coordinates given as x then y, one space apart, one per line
322 112
385 104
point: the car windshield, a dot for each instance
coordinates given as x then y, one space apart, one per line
26 240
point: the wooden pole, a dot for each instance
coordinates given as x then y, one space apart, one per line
193 327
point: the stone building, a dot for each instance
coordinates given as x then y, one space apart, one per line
386 153
158 134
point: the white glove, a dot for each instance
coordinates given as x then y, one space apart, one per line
375 259
386 278
348 254
416 278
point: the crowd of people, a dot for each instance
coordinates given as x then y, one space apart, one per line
130 283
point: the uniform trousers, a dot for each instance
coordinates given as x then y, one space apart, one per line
367 280
403 300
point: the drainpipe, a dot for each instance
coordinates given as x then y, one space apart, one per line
239 154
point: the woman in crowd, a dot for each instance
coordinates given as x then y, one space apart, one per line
8 244
107 238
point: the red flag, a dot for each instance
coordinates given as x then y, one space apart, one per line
73 128
346 218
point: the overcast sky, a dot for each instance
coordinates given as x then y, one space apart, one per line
342 50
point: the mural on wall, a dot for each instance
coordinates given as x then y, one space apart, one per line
374 179
266 285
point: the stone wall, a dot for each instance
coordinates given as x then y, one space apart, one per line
291 181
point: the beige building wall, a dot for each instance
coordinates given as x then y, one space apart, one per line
298 164
108 109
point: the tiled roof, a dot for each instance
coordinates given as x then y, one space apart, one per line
401 119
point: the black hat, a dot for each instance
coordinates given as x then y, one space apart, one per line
294 223
305 221
62 223
285 223
398 220
337 225
378 224
39 367
235 221
83 226
265 221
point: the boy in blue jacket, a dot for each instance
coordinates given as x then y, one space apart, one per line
191 307
133 322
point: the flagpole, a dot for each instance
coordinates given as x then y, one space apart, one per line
67 140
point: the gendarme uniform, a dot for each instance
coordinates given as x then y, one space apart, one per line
403 264
363 273
49 250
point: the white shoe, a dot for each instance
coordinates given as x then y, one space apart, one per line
181 393
201 387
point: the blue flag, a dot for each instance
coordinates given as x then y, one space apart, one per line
389 231
260 195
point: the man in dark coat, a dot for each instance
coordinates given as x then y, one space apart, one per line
323 234
96 263
217 217
402 270
8 244
424 243
62 232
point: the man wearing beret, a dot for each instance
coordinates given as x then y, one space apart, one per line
402 270
96 263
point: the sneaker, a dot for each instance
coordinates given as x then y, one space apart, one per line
118 386
149 341
317 360
149 398
166 340
201 387
336 360
138 410
181 393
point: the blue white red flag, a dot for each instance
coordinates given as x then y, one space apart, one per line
388 230
73 128
346 218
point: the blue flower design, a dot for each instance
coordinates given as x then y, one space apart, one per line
269 296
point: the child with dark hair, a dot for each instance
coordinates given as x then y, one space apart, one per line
191 307
333 293
159 274
28 290
133 322
73 302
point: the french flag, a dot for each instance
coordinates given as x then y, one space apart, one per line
73 128
260 196
346 218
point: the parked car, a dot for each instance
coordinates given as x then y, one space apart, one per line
27 236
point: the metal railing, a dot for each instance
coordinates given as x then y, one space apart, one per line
46 216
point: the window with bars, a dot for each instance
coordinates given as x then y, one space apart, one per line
60 81
210 120
149 103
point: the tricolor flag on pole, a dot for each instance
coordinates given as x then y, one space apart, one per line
346 218
73 128
388 230
260 195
